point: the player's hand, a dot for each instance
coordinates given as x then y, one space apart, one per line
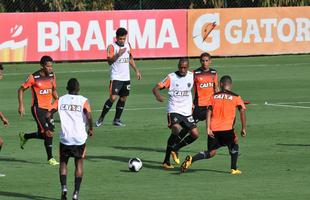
138 74
5 121
210 133
90 132
160 98
49 133
243 132
21 110
121 52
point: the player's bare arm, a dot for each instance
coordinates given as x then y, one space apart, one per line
4 119
112 59
243 122
21 108
157 94
208 122
89 118
55 94
134 67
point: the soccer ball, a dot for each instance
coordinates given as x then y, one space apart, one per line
134 164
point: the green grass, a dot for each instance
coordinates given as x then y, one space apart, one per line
275 156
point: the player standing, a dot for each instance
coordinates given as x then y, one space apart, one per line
179 85
43 89
2 117
75 114
205 85
220 125
120 57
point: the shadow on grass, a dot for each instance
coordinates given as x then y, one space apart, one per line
24 196
200 170
17 160
146 149
294 145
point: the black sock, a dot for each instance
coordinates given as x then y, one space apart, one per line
181 135
36 135
107 105
0 147
119 109
186 141
63 181
201 155
170 143
77 185
48 143
234 152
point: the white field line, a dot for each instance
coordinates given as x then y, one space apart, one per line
158 68
286 105
291 103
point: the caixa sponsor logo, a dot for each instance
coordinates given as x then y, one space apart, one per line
206 85
181 93
70 107
223 96
46 91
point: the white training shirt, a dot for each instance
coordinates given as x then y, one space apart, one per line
180 93
119 70
72 118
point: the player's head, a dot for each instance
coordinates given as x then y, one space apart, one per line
73 86
47 64
1 71
226 83
183 66
205 60
121 34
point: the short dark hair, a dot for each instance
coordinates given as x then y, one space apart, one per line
183 60
45 59
73 85
121 32
1 67
205 54
226 79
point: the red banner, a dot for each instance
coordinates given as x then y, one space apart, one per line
86 35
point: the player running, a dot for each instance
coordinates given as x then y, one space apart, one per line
179 85
120 57
2 117
75 114
43 89
220 125
205 85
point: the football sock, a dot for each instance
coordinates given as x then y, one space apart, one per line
186 141
201 155
48 143
77 184
0 147
63 181
181 135
107 105
36 135
234 156
170 143
119 109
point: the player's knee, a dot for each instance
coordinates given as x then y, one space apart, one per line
234 149
123 98
195 133
175 129
1 141
113 98
212 153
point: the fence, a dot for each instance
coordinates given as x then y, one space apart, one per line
92 5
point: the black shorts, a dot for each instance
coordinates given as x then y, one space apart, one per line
39 115
120 88
222 138
200 113
185 121
67 151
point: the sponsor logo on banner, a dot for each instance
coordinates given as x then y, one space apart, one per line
252 31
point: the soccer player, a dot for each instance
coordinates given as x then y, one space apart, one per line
2 117
75 114
205 85
43 89
120 57
179 85
220 125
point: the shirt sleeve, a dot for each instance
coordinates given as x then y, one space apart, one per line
87 106
210 103
29 82
240 103
110 51
164 83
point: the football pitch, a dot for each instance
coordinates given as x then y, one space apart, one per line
274 157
